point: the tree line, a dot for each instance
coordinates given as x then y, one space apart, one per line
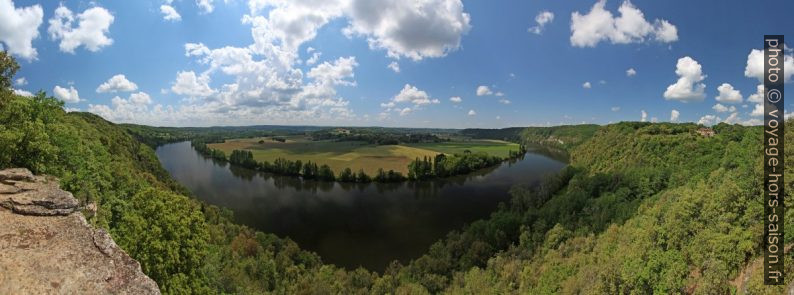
444 166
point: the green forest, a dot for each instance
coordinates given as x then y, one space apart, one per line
642 208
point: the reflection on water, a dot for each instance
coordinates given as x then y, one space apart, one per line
351 224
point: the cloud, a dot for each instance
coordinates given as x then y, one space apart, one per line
615 109
483 90
758 96
394 66
720 108
336 73
587 85
92 26
128 110
733 118
455 99
314 58
758 111
416 30
644 116
687 88
21 81
140 98
405 111
542 19
169 13
674 114
117 83
630 27
205 6
18 28
499 93
728 94
472 113
23 92
196 49
262 82
66 95
411 94
755 66
709 120
188 84
631 72
504 101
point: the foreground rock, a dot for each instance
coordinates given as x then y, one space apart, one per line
46 245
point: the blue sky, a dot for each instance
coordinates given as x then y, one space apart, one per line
250 62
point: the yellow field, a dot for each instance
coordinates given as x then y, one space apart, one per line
356 155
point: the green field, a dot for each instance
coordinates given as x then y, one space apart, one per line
357 155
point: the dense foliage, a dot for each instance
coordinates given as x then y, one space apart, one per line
378 136
566 136
444 166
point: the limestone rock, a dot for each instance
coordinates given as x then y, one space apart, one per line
47 247
16 174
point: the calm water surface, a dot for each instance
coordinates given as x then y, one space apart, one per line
353 225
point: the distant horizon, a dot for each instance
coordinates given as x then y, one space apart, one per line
439 63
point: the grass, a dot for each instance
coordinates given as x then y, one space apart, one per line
357 155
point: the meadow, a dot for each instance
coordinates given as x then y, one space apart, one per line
355 154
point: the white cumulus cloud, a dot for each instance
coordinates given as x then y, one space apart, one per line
728 94
644 116
455 99
755 66
674 114
92 26
630 27
412 29
169 13
188 84
758 96
720 108
413 95
18 27
117 83
472 113
483 90
205 6
631 72
688 87
587 85
69 95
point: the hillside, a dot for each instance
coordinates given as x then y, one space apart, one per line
566 136
643 208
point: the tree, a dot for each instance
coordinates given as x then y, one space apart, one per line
8 68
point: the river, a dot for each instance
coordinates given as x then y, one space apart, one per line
353 225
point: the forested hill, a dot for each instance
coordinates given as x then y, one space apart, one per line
566 136
645 208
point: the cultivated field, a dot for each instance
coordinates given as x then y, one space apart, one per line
357 155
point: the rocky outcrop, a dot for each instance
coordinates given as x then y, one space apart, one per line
47 247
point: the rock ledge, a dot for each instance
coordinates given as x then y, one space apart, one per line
47 247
